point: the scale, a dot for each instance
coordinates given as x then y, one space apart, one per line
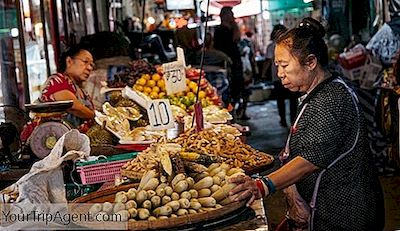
51 127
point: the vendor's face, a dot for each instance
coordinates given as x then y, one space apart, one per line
293 75
80 66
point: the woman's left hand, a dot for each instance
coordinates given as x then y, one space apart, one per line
246 189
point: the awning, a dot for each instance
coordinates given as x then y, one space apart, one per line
240 8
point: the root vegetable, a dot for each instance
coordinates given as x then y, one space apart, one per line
195 205
215 171
177 178
150 194
190 182
193 193
217 180
223 192
132 212
233 171
151 218
163 211
221 174
175 196
218 206
184 203
107 207
147 204
168 190
96 208
163 179
155 201
131 194
162 217
212 166
207 202
174 205
143 214
174 215
151 184
180 186
141 196
206 182
118 207
123 214
194 200
182 212
165 200
121 197
215 188
160 192
226 201
192 211
205 192
186 195
201 176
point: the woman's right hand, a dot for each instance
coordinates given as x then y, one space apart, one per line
246 189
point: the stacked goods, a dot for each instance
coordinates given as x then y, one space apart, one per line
160 196
153 85
129 76
228 147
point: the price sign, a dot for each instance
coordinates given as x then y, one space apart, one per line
160 114
175 74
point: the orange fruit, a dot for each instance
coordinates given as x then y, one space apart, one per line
161 95
190 94
147 90
151 83
146 76
202 94
192 85
155 77
194 89
161 83
154 95
138 88
141 81
155 89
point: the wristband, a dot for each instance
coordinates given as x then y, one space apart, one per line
270 185
260 187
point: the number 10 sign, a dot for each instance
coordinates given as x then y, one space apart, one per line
160 114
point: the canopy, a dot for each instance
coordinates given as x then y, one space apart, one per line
240 8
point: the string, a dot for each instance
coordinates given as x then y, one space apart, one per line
201 60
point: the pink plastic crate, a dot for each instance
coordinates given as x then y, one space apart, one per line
99 173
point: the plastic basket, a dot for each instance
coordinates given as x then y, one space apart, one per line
102 170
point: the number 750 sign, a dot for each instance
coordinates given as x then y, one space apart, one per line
160 114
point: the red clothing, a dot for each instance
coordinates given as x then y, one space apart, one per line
55 83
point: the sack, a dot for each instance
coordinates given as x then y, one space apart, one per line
299 211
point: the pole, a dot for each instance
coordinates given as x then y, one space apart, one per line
45 41
21 39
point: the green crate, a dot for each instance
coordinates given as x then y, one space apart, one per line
118 157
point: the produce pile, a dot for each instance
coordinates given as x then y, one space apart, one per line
162 196
217 144
229 148
130 75
153 85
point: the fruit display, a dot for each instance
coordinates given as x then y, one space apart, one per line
130 75
154 87
162 196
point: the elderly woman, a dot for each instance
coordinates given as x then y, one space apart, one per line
75 68
327 174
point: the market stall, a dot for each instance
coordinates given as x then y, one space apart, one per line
180 152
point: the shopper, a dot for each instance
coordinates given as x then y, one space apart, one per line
328 175
281 93
226 39
75 68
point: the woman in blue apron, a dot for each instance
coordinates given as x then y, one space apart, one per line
327 173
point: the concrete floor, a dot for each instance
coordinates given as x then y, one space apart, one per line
267 135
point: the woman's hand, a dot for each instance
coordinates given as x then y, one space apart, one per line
246 189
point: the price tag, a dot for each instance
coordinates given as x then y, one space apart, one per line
175 74
160 114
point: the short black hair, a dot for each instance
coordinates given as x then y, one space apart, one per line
70 52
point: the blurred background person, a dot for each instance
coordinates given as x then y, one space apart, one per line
281 93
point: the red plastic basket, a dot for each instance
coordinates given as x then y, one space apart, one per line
99 173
